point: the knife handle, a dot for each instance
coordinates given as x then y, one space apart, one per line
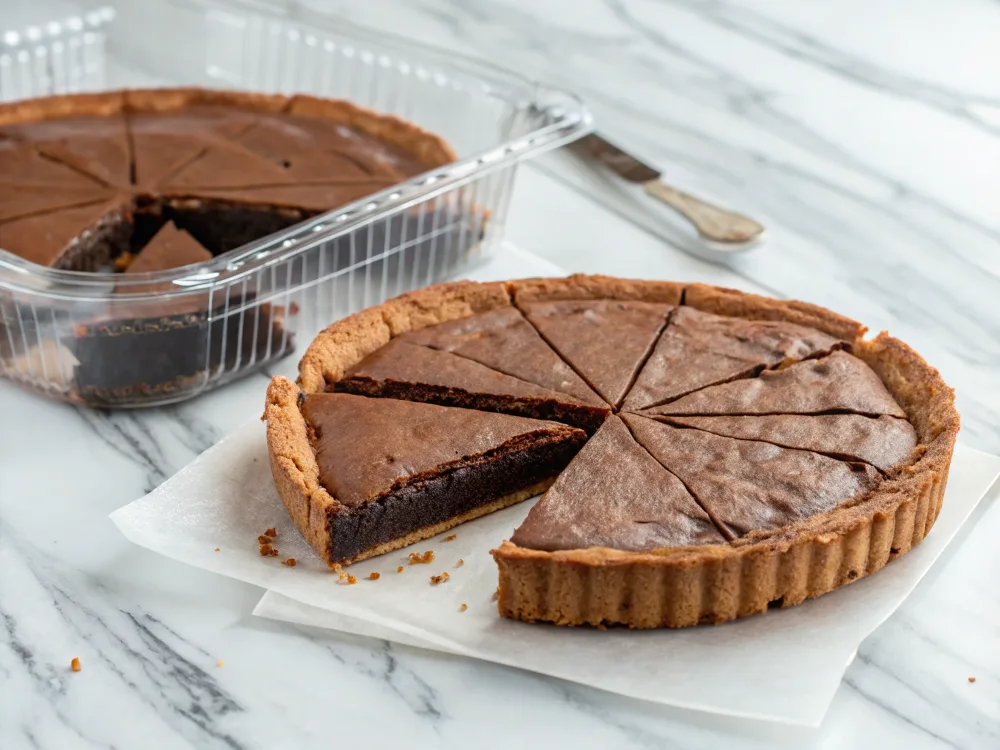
713 223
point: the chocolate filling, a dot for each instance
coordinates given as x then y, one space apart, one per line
587 418
417 504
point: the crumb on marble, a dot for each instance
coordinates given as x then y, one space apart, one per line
290 562
463 608
216 549
435 580
399 569
373 576
351 580
219 664
75 664
418 558
342 576
972 679
460 563
449 538
271 532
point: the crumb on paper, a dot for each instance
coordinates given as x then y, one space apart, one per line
399 569
271 532
435 580
351 580
418 558
264 539
463 608
266 549
216 549
460 563
290 562
448 538
219 664
75 664
972 679
373 576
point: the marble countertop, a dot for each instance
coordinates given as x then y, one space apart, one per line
867 135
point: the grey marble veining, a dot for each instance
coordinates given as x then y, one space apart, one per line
867 134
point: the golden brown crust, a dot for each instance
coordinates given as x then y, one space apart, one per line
681 586
583 286
737 304
101 104
340 346
441 303
293 465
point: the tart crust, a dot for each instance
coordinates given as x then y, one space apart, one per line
672 587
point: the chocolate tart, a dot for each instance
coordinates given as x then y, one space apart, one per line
88 180
800 457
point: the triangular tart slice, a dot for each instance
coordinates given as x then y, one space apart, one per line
504 341
699 349
605 341
364 476
418 373
170 248
749 485
615 494
884 442
837 383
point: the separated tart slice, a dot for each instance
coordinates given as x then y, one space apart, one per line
364 476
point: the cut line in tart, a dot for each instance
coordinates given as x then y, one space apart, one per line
785 457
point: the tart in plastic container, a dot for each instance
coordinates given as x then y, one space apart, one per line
144 339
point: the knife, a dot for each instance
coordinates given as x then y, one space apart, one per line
717 225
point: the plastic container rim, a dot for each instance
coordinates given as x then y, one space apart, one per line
569 120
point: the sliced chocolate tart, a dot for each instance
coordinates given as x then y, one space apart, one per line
365 476
806 468
89 179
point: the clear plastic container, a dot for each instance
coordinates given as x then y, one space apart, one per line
61 332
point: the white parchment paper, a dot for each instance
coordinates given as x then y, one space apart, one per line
784 665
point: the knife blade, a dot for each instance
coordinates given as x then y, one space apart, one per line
726 229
